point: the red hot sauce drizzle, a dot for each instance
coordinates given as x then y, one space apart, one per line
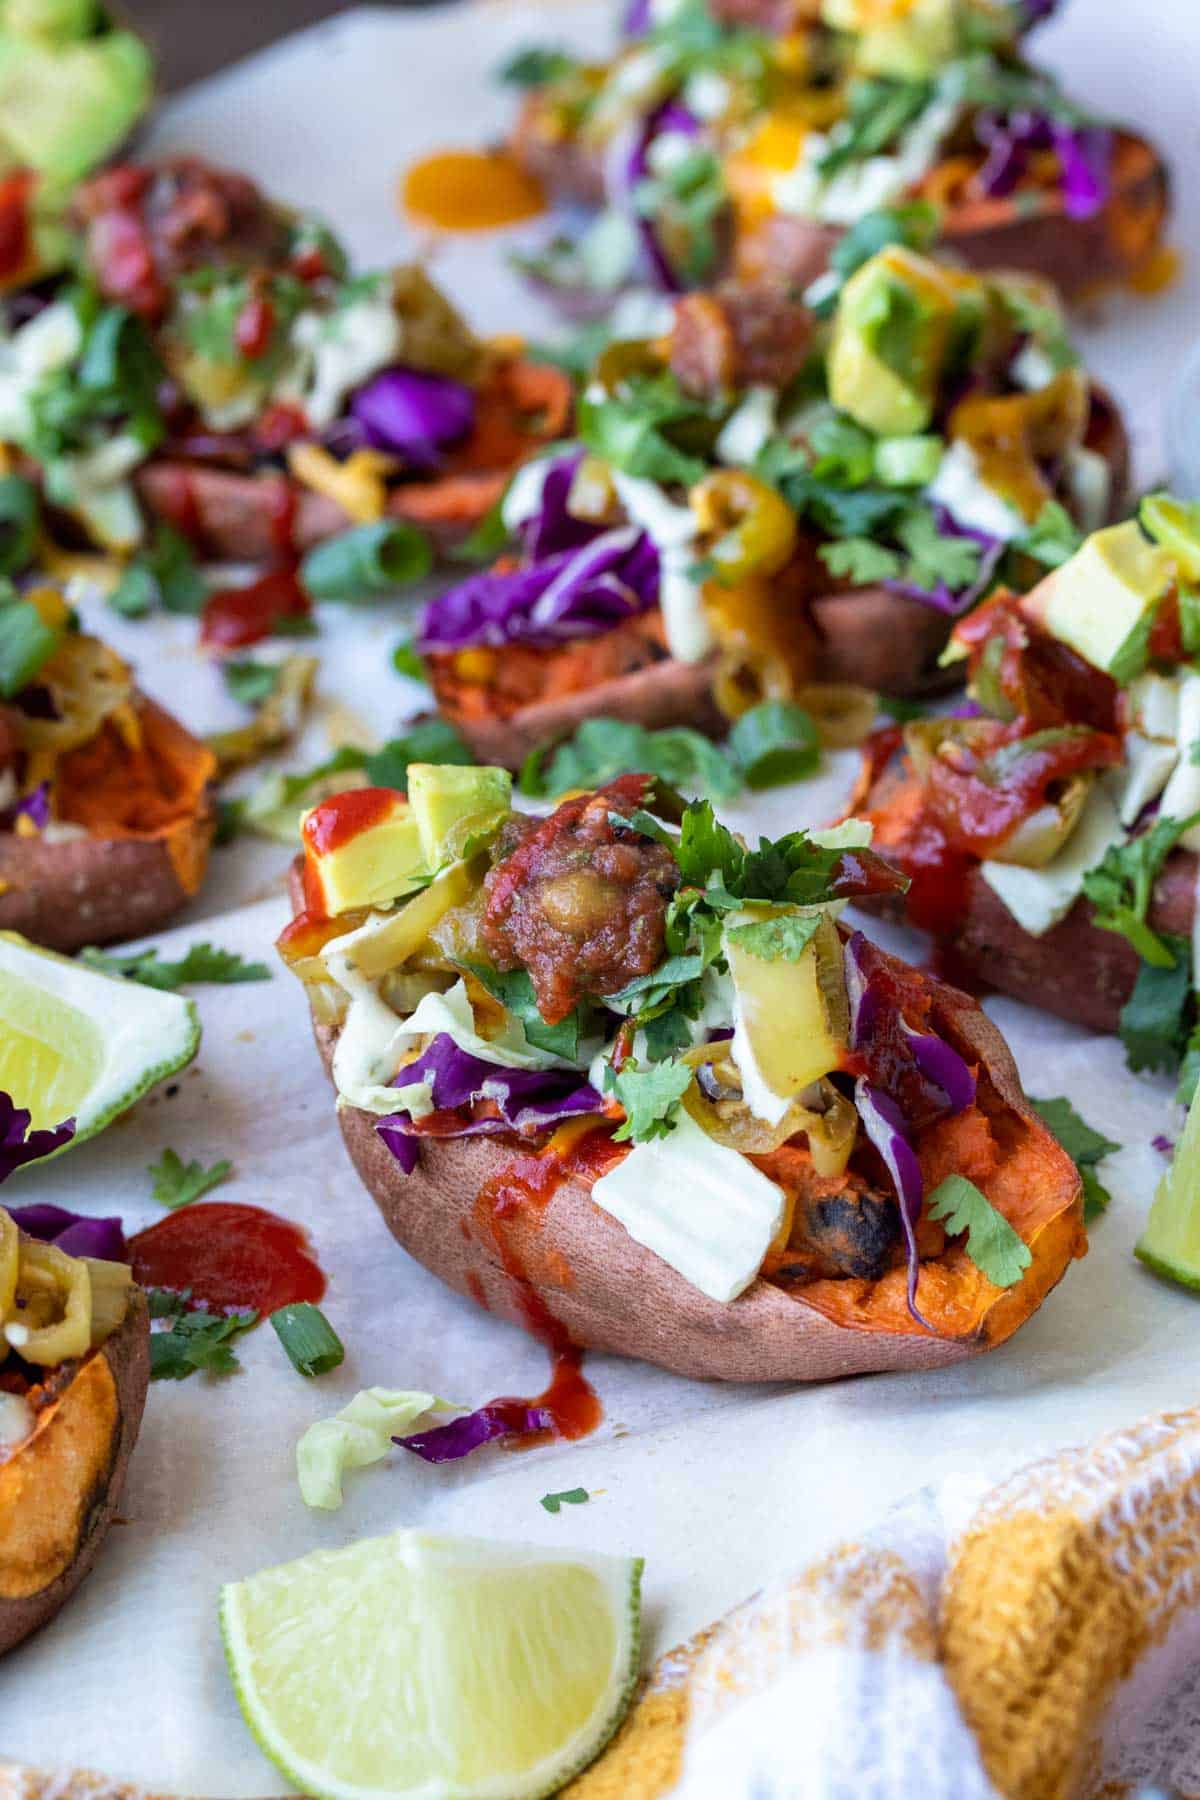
506 1203
231 1257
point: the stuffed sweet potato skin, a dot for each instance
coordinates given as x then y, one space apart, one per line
1075 970
59 1492
607 1292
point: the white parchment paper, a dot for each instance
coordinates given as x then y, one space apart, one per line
719 1488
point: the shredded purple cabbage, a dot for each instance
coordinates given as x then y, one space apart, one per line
884 1125
1084 153
1163 1144
573 594
34 806
636 22
73 1233
627 164
529 1100
940 1063
446 1443
413 414
554 527
19 1145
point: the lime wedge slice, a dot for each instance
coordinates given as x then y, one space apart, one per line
448 1668
1170 1244
74 1043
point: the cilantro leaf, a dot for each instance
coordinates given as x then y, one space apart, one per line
936 557
992 1244
164 574
1084 1145
1121 885
1153 1020
860 560
408 663
650 1097
513 988
196 1340
432 740
568 1497
177 1183
630 428
201 963
250 682
534 66
603 748
1053 537
782 938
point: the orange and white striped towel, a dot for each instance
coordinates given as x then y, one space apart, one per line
1038 1641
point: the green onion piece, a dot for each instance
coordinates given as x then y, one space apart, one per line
406 661
313 1346
774 742
26 642
19 516
366 561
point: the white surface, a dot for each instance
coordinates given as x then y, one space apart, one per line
718 1488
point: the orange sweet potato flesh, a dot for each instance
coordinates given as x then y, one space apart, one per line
59 1490
149 818
607 1292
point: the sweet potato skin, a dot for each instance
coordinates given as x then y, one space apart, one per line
88 890
66 1451
609 1293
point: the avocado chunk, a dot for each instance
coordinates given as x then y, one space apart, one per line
67 104
913 45
1102 601
1175 524
902 324
452 804
363 848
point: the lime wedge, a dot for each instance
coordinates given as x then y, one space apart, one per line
448 1668
1170 1244
74 1043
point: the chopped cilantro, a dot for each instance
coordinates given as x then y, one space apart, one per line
164 574
1084 1145
1153 1023
568 1497
631 429
603 748
1121 885
992 1244
407 662
250 682
861 560
534 66
194 1339
513 988
432 740
650 1097
782 938
201 963
177 1183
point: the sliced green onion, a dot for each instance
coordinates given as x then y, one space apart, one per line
366 561
406 661
313 1346
774 742
19 515
26 642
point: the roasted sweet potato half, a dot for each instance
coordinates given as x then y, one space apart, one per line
60 1488
467 1212
247 516
127 842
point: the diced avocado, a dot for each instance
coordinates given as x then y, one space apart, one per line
791 1017
1175 524
902 323
1101 601
452 804
1170 1244
64 107
912 45
908 461
364 848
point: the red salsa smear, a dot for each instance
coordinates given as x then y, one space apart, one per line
16 243
231 1257
523 1186
235 617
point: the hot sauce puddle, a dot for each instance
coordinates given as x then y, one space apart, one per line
231 1258
525 1187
